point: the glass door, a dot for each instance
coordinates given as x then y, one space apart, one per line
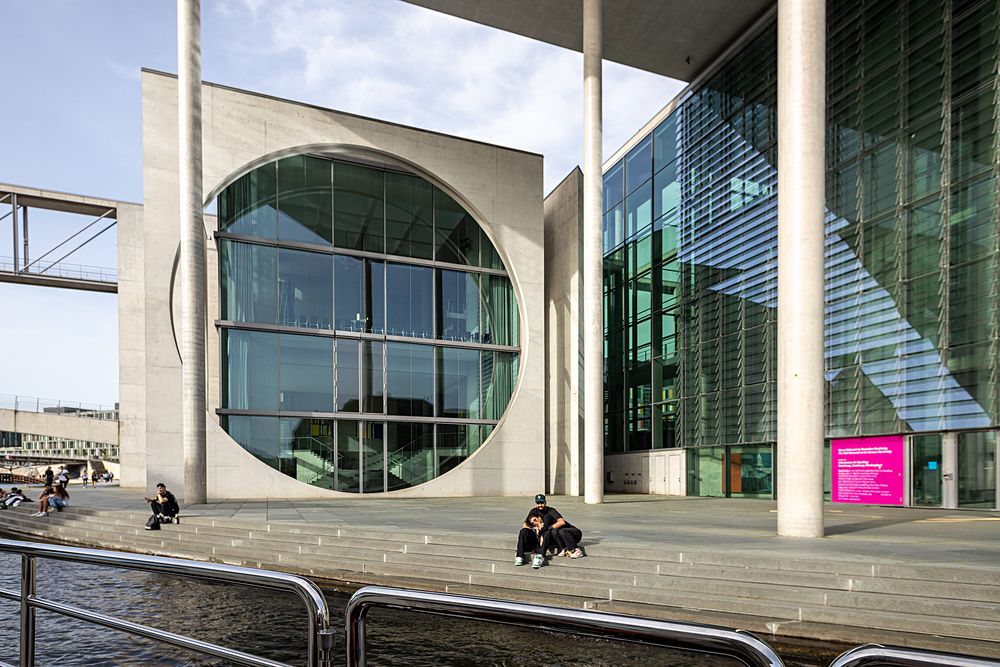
977 470
925 470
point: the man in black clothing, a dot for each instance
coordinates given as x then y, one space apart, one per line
49 476
164 505
545 527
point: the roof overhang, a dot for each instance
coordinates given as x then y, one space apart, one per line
674 38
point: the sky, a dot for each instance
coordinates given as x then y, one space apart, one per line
71 111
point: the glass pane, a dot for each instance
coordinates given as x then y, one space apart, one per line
308 452
249 205
408 216
348 457
373 446
666 141
704 465
639 211
750 472
614 185
409 301
410 455
455 443
349 293
250 371
248 282
977 469
305 289
614 227
666 196
458 306
500 316
348 394
372 383
499 373
458 383
306 373
304 206
926 471
489 256
639 164
456 233
375 295
410 379
257 435
358 207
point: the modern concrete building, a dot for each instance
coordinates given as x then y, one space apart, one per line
799 253
374 306
875 180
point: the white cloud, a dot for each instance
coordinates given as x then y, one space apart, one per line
397 62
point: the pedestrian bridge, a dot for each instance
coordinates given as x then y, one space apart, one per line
60 422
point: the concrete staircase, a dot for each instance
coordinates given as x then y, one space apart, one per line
921 605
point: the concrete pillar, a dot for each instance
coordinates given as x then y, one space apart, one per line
192 261
801 169
593 296
949 471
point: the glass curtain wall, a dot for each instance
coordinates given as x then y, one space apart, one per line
912 241
360 306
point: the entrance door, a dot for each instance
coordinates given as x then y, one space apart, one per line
925 470
977 469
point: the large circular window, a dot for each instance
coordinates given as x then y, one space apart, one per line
369 333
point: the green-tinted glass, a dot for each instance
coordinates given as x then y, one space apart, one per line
304 200
358 207
456 234
409 217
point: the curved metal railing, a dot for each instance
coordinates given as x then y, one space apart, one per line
894 656
320 638
736 644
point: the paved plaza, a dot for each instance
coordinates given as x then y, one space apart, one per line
909 535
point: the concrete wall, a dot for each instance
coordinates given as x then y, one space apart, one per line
563 357
502 188
657 471
131 346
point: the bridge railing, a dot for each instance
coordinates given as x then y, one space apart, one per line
98 274
58 407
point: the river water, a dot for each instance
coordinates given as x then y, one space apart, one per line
273 625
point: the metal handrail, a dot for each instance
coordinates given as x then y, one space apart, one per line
736 644
320 638
896 656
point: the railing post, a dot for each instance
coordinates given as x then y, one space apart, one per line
356 638
27 611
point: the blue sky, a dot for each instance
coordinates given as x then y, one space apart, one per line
71 112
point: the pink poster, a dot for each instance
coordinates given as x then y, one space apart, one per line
867 470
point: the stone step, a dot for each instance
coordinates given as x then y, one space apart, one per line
903 622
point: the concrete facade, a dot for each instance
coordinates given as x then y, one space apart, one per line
563 311
502 188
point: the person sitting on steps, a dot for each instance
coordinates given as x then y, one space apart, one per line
164 506
544 528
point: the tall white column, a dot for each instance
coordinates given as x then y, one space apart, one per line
593 295
192 261
801 169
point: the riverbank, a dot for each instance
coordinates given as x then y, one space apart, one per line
923 578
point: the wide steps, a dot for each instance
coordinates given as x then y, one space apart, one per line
808 592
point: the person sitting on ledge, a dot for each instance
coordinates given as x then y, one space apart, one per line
164 506
43 501
562 535
532 537
14 498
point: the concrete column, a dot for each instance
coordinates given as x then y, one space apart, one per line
801 169
593 296
949 471
192 261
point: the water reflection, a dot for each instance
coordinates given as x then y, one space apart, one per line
273 624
